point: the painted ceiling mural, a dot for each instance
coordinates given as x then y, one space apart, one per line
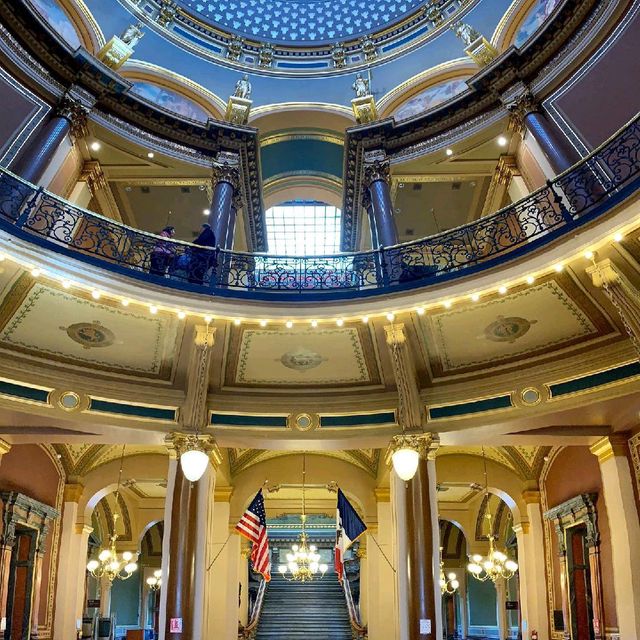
536 16
170 100
301 20
430 98
58 20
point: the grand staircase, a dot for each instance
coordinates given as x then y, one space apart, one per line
314 610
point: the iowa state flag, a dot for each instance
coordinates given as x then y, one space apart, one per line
349 527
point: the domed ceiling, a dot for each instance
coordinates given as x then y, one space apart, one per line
300 21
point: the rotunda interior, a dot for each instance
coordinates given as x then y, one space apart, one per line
319 320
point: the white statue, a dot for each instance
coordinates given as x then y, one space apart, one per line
243 88
361 86
132 34
466 32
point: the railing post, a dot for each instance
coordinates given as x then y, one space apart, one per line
28 208
558 198
382 274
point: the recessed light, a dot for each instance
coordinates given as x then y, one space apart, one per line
237 322
420 311
475 297
263 323
502 141
125 302
96 146
289 324
96 295
153 309
502 290
588 255
391 317
559 267
182 315
206 212
339 322
314 323
35 272
66 284
365 319
208 319
151 155
618 237
447 304
449 152
530 279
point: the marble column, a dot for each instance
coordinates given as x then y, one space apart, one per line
226 182
533 596
527 114
70 590
376 182
105 597
501 608
617 489
69 117
37 588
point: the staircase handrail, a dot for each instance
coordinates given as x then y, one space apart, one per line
248 632
358 630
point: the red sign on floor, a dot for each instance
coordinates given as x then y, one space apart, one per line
175 625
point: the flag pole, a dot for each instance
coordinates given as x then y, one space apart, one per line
384 555
219 552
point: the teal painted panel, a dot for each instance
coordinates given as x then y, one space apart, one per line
232 420
595 380
482 603
125 600
301 156
468 408
154 413
24 392
386 417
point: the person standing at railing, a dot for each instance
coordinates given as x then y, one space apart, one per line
162 253
200 260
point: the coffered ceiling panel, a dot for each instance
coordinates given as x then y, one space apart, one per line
39 320
532 322
301 357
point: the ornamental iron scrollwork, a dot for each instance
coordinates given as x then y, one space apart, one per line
589 189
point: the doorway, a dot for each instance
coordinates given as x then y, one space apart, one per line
579 581
20 586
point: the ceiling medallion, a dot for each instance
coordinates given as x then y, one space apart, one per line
90 334
303 422
69 401
302 359
508 329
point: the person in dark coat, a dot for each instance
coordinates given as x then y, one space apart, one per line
202 259
162 253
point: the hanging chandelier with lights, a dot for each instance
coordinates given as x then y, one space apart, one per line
154 582
303 561
448 582
496 564
109 563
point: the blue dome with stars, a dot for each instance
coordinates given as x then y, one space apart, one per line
300 21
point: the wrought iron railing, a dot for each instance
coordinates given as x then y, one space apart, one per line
589 189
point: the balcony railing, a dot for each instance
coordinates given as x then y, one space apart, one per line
586 191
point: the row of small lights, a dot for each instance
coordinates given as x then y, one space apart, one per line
96 294
501 140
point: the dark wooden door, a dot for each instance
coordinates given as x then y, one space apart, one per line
579 585
20 590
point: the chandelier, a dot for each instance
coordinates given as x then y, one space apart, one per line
496 564
109 564
154 582
449 582
303 561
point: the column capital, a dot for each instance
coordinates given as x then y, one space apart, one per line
226 168
194 410
522 527
425 443
73 492
519 101
93 175
603 273
222 494
382 494
75 112
178 442
395 333
5 447
610 446
531 497
376 167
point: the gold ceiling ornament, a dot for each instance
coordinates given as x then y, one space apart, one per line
497 564
303 561
448 583
109 564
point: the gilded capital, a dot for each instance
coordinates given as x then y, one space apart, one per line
222 494
382 494
75 113
426 444
73 492
603 273
395 334
226 169
610 446
178 442
5 447
376 167
519 101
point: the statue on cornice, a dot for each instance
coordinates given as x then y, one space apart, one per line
243 88
361 86
466 32
132 34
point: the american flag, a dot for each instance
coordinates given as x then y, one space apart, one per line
253 526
